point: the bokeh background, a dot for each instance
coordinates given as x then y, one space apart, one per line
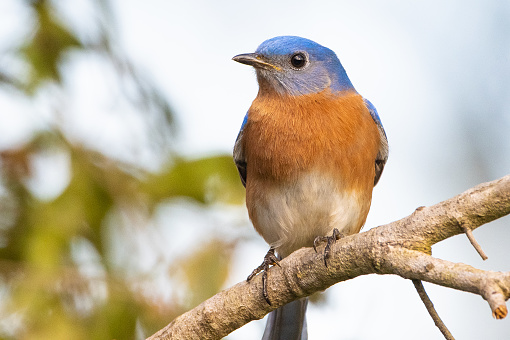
120 206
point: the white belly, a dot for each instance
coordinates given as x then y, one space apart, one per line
292 216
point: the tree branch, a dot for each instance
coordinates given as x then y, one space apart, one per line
402 247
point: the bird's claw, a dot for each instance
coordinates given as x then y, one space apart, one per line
329 241
270 259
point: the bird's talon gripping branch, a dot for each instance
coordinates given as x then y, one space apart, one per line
270 259
329 241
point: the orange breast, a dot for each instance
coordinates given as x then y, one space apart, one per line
286 136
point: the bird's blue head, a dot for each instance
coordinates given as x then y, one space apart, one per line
296 66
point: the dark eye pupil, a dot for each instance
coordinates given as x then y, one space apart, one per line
298 60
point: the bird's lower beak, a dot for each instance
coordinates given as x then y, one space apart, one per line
255 60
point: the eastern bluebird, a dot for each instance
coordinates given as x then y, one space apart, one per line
309 152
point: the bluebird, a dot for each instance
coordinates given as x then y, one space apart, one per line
309 152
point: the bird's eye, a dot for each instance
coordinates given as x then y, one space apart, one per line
298 60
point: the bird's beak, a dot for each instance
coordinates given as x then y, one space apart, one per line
255 60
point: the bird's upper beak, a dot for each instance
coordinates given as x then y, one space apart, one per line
255 60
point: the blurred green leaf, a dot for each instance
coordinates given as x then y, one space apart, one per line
206 180
47 46
117 318
204 272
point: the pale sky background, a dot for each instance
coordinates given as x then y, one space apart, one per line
437 71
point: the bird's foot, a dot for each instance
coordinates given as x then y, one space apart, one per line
269 260
329 241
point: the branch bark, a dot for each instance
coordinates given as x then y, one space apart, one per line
402 248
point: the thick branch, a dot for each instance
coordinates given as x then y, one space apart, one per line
400 248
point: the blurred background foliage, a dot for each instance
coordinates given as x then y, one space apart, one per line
70 257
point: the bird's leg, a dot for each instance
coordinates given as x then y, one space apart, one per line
329 240
269 260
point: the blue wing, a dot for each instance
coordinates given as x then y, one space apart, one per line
382 155
239 157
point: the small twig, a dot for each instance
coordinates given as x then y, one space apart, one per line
432 311
471 237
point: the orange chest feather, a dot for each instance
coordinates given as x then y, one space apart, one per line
287 136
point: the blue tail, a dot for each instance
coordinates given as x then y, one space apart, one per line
287 322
